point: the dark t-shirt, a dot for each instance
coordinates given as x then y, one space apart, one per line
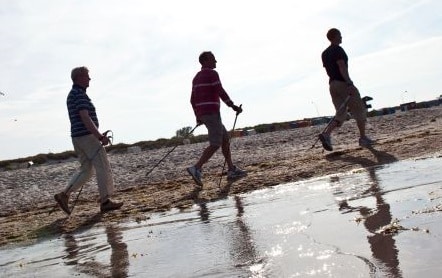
330 56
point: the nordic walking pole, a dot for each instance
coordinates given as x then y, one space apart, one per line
158 163
343 106
231 135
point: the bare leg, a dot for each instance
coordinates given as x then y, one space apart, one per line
361 127
207 154
226 151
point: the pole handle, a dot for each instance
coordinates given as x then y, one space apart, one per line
237 113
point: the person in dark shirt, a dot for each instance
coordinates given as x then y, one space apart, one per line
88 144
345 96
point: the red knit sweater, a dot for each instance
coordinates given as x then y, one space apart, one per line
206 93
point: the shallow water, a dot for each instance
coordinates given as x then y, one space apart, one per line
324 227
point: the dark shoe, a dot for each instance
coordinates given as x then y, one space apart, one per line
236 173
196 175
365 141
62 201
326 142
110 205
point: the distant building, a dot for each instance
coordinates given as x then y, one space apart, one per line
408 106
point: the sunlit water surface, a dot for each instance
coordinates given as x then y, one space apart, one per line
324 227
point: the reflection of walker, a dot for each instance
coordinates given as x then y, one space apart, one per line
342 107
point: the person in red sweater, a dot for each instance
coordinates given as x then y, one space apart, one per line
205 99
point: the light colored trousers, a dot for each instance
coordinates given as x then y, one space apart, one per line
92 156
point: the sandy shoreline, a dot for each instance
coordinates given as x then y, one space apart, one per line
270 158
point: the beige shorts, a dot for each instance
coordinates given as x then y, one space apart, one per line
215 128
339 91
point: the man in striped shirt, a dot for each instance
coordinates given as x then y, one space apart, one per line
88 144
205 99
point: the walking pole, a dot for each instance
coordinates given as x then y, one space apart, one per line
158 163
231 135
343 106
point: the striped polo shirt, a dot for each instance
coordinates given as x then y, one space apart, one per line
206 93
78 100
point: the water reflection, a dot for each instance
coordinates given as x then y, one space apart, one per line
119 260
242 250
383 246
204 212
286 231
79 253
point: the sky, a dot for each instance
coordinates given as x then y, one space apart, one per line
142 56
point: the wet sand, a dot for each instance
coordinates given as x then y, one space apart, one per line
270 159
379 221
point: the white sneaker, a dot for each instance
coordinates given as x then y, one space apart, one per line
236 173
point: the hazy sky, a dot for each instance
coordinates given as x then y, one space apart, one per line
142 56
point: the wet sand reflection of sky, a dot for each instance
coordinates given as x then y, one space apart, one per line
329 226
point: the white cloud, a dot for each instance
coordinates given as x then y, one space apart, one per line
414 68
143 56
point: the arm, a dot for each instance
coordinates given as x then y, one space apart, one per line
343 69
225 97
87 121
229 102
192 102
218 88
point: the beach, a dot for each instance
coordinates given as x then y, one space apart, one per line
270 159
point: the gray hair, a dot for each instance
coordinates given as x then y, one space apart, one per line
78 71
